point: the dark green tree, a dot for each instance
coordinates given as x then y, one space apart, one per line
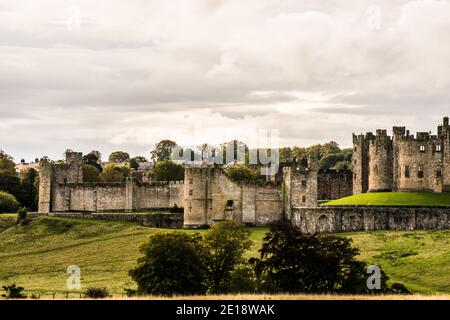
242 173
167 171
29 191
172 263
93 158
7 163
163 150
91 173
226 243
297 263
119 157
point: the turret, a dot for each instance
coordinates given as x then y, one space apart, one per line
360 163
380 163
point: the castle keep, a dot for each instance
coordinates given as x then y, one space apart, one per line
403 162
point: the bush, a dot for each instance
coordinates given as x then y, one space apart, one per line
96 293
115 173
13 292
173 263
8 203
242 173
22 216
167 171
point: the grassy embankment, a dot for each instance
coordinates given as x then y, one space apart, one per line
394 199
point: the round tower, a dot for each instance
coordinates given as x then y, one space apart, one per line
380 162
359 164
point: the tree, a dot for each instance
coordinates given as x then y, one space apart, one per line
90 173
115 173
10 183
294 262
242 173
226 243
93 158
7 163
134 162
167 171
172 263
29 190
163 150
119 157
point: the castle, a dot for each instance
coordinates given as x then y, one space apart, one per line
402 162
380 163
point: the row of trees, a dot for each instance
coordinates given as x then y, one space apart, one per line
289 262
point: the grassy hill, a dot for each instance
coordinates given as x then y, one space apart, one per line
37 256
394 199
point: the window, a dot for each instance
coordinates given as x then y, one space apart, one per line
438 148
420 172
303 183
356 149
303 199
375 170
422 148
230 203
191 192
438 174
191 180
407 174
355 161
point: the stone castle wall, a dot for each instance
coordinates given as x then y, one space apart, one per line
351 219
210 197
334 184
403 162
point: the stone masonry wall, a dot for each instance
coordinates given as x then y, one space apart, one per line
350 219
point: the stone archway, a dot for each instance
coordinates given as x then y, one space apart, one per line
324 225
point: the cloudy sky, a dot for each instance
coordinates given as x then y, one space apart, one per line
122 75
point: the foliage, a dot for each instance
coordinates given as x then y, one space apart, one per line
29 189
293 262
226 243
163 150
96 293
172 263
13 292
337 160
167 171
395 199
90 173
242 280
22 215
10 183
7 163
119 157
134 162
242 173
115 173
93 158
8 203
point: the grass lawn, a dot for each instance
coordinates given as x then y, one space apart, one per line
37 256
394 199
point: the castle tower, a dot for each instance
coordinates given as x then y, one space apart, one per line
74 167
197 197
45 186
360 163
380 162
445 137
300 186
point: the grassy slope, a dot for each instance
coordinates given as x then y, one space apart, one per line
394 199
36 256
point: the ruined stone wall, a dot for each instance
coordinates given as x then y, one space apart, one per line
300 186
334 184
350 219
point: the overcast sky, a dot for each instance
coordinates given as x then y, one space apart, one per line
122 75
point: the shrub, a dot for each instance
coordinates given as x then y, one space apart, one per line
242 173
167 171
22 216
115 173
8 203
13 292
172 263
96 293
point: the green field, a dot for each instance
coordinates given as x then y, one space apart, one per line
394 199
37 256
